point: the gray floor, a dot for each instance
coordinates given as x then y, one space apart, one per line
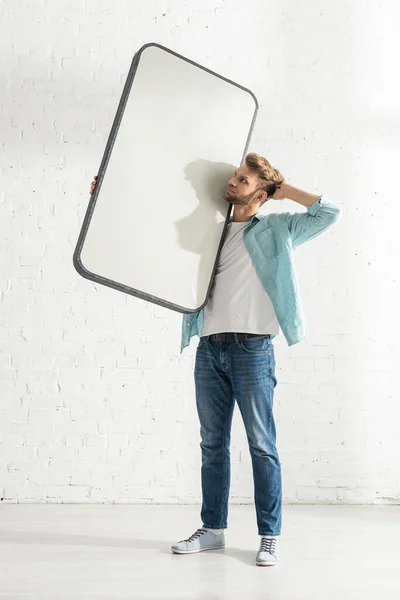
123 551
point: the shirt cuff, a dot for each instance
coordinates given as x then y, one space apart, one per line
314 208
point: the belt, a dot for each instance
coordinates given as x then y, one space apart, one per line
230 336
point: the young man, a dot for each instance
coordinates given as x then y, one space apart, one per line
255 294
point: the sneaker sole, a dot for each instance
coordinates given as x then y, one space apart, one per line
197 550
266 564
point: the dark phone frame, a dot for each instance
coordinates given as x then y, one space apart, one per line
103 166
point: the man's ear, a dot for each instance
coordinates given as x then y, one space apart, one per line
263 196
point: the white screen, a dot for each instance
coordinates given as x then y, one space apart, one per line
158 212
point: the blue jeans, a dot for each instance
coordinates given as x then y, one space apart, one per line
244 371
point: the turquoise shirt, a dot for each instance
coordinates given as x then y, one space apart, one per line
270 241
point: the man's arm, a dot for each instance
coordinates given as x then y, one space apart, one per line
321 214
300 196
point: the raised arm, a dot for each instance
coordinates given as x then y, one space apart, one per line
321 213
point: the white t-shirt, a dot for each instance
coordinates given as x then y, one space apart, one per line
238 301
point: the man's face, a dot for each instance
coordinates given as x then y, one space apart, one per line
243 187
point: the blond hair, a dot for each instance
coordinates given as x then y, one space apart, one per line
266 172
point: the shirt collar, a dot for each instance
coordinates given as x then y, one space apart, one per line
257 216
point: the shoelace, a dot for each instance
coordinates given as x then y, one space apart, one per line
268 545
196 535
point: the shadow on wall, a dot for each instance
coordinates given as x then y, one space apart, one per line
203 228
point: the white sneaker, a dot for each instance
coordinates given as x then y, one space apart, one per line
199 541
266 556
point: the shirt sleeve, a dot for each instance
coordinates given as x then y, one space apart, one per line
319 217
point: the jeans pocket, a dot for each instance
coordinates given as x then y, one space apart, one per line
257 345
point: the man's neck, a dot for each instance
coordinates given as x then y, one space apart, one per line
240 214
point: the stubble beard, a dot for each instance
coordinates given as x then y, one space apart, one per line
234 199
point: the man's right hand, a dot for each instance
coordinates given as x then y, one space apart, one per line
93 184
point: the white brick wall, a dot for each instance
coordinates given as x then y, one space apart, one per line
96 402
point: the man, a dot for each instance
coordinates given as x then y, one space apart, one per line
254 294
